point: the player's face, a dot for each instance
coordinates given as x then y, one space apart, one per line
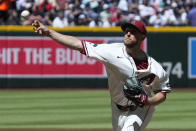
132 37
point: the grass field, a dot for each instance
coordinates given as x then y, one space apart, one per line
85 109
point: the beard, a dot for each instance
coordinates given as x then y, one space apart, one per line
131 44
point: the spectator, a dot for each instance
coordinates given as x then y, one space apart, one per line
61 4
115 14
145 11
133 13
70 16
19 4
123 5
192 16
13 18
102 12
183 17
44 7
93 4
168 17
94 20
52 2
60 21
46 20
155 20
4 5
76 3
105 16
82 20
76 12
27 4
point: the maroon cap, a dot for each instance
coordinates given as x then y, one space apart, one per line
135 24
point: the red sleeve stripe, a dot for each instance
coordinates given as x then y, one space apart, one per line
164 93
83 45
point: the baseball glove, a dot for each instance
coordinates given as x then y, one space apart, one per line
134 91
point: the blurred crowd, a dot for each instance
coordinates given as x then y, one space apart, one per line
99 13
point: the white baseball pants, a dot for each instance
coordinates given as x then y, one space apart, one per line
131 120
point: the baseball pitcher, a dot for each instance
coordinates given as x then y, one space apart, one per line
136 81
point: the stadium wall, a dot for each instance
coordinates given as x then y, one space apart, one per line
31 61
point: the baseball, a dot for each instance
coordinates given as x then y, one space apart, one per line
25 14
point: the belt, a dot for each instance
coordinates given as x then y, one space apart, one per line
126 108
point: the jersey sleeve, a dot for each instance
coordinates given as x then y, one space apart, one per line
161 79
95 51
164 83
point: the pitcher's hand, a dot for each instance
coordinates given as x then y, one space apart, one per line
40 29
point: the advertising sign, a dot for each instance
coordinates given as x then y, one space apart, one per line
42 57
192 57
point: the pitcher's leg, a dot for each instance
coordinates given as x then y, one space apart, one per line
132 123
118 117
147 118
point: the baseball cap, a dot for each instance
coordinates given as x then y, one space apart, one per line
134 24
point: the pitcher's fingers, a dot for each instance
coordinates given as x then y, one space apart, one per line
37 30
36 23
33 24
40 32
